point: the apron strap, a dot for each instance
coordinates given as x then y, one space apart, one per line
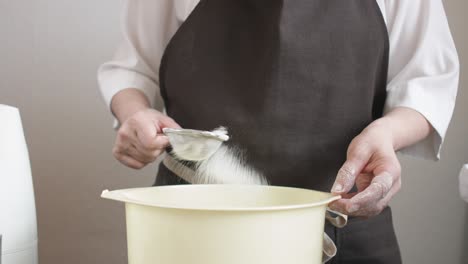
339 220
329 248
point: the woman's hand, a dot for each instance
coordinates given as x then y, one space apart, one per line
372 164
373 167
139 139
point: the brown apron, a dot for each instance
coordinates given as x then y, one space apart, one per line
294 81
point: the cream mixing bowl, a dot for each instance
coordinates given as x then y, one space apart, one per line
224 224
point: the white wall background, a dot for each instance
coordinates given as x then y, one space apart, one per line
49 53
430 218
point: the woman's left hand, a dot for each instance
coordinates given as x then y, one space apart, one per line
373 167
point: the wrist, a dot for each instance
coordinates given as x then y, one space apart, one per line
128 102
384 130
129 110
403 127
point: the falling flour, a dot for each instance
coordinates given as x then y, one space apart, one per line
227 165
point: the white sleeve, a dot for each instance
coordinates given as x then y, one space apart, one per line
147 28
424 67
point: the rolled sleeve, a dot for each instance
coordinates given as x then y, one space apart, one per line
147 28
424 68
113 79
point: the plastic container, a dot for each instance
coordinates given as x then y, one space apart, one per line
228 224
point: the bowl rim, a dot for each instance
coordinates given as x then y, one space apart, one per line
122 196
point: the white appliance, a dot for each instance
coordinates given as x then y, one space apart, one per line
463 179
18 228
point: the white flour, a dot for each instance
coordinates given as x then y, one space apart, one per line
226 165
195 145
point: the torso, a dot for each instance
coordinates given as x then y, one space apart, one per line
293 80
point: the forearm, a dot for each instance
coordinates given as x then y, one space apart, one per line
404 125
372 165
127 102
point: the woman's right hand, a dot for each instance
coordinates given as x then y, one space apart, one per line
139 139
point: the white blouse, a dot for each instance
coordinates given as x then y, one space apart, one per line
423 71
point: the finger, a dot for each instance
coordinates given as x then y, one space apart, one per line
161 142
132 163
358 157
395 188
363 180
125 135
147 157
129 161
146 132
166 121
371 209
375 209
128 149
147 151
340 205
141 157
372 195
120 147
